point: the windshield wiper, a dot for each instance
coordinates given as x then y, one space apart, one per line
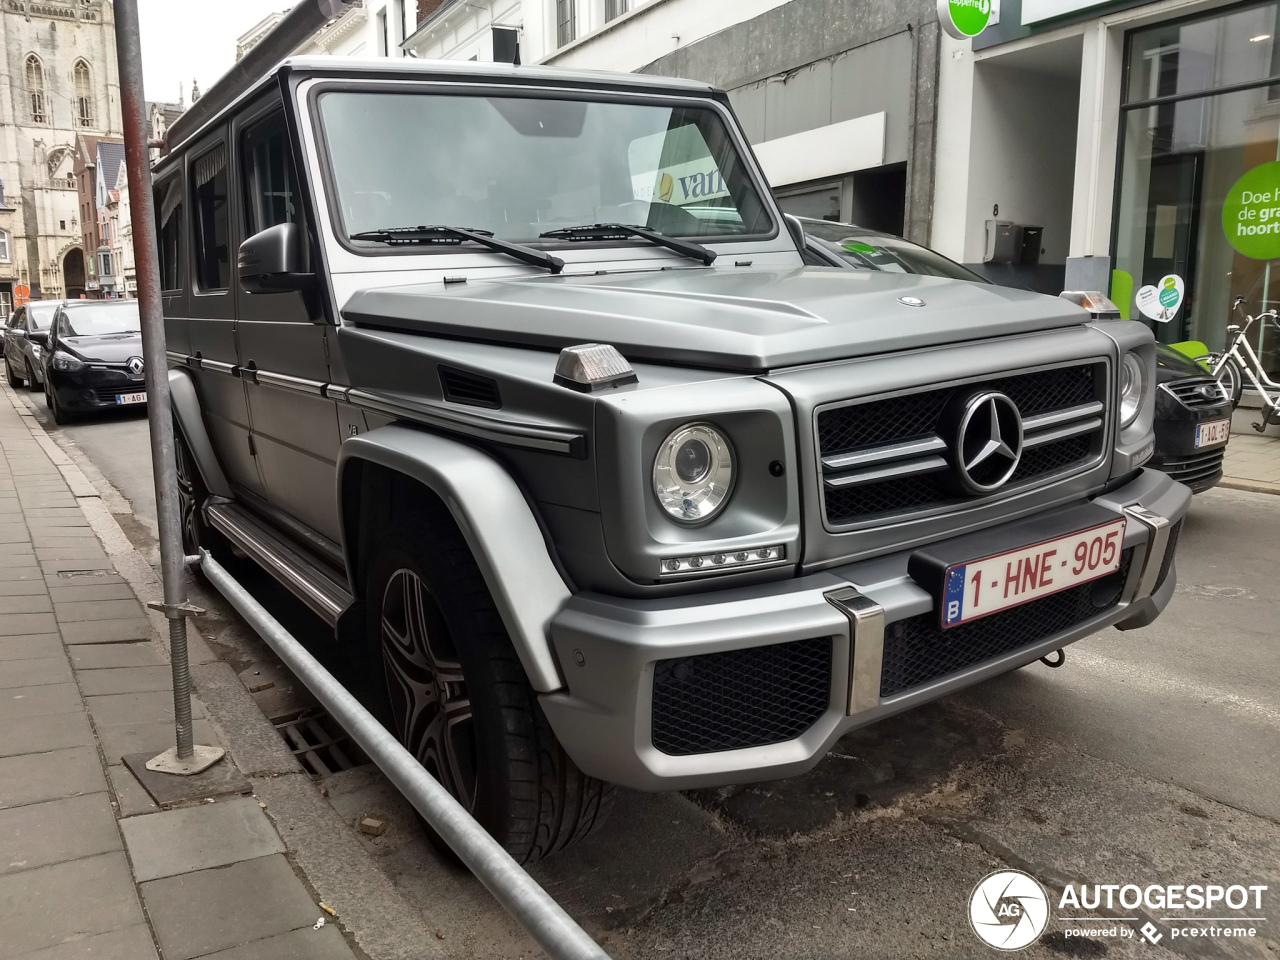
625 231
427 235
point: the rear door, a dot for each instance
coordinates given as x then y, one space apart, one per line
282 338
211 326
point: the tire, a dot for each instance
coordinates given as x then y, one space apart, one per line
60 416
34 385
1230 376
458 699
192 493
10 377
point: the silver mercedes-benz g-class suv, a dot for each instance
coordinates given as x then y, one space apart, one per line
520 381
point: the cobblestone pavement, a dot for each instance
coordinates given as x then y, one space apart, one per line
90 867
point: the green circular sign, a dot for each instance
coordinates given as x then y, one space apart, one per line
964 18
1169 295
1251 213
859 247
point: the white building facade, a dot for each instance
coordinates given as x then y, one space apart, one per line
59 82
837 96
368 28
1141 137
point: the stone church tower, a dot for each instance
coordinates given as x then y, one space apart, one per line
59 83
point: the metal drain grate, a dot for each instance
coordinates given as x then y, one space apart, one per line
319 743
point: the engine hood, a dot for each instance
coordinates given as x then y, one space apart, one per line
111 348
742 319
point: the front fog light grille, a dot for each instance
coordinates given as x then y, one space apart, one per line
740 698
715 562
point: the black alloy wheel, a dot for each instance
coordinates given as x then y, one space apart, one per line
10 377
454 693
425 685
34 385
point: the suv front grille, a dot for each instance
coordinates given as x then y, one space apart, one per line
888 456
918 650
741 698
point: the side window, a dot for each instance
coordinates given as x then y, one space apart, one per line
210 189
270 191
169 233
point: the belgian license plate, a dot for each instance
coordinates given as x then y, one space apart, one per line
123 398
1212 434
980 588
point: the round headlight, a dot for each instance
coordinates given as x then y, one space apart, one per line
1133 383
693 473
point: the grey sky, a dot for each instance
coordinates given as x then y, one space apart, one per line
182 39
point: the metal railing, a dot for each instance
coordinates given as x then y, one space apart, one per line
532 907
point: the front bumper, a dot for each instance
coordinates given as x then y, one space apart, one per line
1176 453
92 389
612 649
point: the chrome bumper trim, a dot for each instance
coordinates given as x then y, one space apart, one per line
866 630
1157 542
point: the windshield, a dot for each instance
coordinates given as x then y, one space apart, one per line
99 321
519 167
38 316
868 250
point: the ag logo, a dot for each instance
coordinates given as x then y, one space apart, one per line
1008 910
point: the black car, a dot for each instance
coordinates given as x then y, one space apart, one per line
1193 414
93 360
23 352
1193 421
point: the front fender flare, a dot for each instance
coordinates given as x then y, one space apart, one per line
495 520
186 411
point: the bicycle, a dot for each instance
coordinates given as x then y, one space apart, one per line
1238 361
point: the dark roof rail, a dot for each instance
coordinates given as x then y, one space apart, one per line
279 43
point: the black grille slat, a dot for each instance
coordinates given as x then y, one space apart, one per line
1188 392
917 650
1198 467
741 698
471 389
858 426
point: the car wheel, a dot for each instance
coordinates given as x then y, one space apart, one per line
60 416
192 494
34 385
10 377
459 701
1229 376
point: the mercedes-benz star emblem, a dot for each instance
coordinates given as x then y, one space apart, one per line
134 366
988 442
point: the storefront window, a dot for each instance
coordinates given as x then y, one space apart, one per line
1183 150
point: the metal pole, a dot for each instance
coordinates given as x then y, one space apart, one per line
185 758
544 919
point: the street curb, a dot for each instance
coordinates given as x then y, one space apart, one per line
1252 486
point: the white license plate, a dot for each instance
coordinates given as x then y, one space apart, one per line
980 588
1211 434
123 398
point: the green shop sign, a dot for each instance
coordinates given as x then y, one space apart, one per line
1251 213
964 18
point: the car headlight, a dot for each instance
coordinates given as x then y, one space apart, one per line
693 473
1133 386
66 362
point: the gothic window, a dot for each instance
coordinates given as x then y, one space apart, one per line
84 95
35 90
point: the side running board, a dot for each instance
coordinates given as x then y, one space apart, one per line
300 574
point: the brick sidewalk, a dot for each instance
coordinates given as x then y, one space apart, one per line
89 867
1253 459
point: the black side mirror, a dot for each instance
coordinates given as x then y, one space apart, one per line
796 229
39 336
271 261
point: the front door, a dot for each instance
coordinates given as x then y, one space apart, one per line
282 346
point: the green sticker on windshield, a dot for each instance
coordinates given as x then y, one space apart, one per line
856 247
